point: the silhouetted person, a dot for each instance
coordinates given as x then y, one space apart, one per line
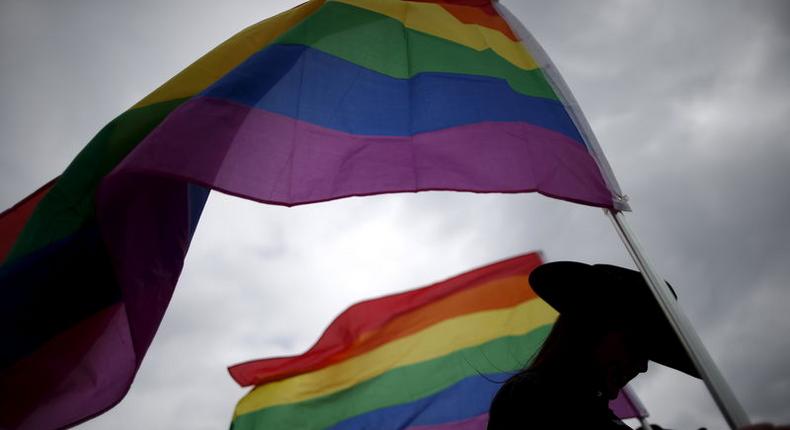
609 327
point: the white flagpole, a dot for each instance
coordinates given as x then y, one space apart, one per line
722 394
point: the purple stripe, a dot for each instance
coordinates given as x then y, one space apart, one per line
109 364
145 221
475 423
275 159
627 405
78 374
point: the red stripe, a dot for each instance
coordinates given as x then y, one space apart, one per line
479 12
13 220
342 338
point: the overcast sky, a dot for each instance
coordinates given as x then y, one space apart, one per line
690 101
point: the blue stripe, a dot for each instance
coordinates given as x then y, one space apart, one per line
196 201
467 398
313 86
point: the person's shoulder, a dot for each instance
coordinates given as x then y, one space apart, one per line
529 384
526 397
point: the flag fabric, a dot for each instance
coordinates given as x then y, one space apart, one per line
378 96
327 100
421 358
76 318
628 405
430 358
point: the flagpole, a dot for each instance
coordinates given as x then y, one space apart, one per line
725 399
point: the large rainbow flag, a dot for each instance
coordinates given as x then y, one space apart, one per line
430 358
327 100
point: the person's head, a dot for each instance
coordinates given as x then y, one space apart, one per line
607 355
609 324
619 356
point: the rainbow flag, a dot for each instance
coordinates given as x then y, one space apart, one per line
327 100
430 358
420 359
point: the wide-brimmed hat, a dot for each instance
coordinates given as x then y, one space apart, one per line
612 295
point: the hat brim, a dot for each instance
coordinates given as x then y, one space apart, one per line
610 295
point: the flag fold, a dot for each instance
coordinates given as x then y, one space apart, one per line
324 101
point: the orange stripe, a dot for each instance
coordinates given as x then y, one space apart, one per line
497 294
362 320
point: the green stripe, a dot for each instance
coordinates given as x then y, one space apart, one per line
374 42
401 385
384 44
69 206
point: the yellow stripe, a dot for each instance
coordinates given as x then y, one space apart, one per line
222 59
433 342
433 19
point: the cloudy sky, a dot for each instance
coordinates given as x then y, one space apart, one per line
690 101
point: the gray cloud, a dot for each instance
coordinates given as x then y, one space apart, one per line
690 101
